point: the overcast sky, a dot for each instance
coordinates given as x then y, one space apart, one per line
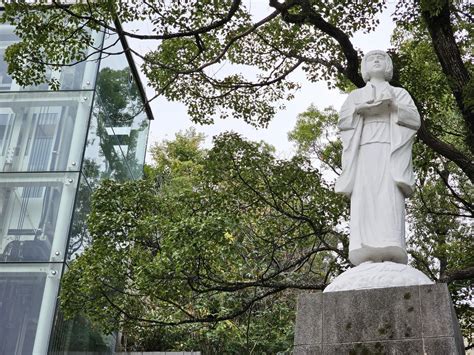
171 117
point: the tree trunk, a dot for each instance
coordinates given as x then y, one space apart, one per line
449 56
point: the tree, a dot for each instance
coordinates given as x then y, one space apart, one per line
197 37
213 243
433 59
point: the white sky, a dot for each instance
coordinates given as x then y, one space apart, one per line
171 117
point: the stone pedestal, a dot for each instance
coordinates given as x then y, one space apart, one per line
399 320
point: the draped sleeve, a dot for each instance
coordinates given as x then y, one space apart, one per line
407 113
350 126
405 123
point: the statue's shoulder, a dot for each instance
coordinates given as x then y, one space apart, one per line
357 91
398 90
356 95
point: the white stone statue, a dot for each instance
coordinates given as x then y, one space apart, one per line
377 124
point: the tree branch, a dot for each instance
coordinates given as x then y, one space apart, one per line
308 15
458 275
190 33
446 150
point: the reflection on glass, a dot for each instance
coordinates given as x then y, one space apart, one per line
7 37
119 126
20 301
77 77
116 140
43 131
78 335
35 212
42 136
79 237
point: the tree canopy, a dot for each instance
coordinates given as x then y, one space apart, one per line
197 37
209 237
212 240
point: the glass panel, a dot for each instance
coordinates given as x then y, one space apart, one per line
137 145
119 125
78 335
27 301
82 75
79 237
76 77
35 214
7 37
129 144
43 131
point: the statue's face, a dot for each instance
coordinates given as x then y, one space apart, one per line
376 65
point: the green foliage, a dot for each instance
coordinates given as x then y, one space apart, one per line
212 243
315 136
180 157
77 334
185 68
44 29
216 243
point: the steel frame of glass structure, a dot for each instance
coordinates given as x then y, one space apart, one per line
55 147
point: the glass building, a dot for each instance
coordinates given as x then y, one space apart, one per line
55 147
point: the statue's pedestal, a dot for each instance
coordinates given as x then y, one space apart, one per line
396 320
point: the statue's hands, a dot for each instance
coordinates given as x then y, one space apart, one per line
372 108
389 97
385 103
382 105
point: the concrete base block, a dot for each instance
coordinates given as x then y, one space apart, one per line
398 320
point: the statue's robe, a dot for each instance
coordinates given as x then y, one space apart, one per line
377 173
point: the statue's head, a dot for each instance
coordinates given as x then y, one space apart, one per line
377 62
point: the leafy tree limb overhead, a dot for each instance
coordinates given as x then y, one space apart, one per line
196 38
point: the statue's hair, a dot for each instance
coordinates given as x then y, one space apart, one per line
388 70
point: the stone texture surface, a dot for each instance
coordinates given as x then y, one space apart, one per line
400 347
308 350
443 322
441 346
369 314
309 319
399 320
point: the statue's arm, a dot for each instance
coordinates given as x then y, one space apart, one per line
407 113
347 115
